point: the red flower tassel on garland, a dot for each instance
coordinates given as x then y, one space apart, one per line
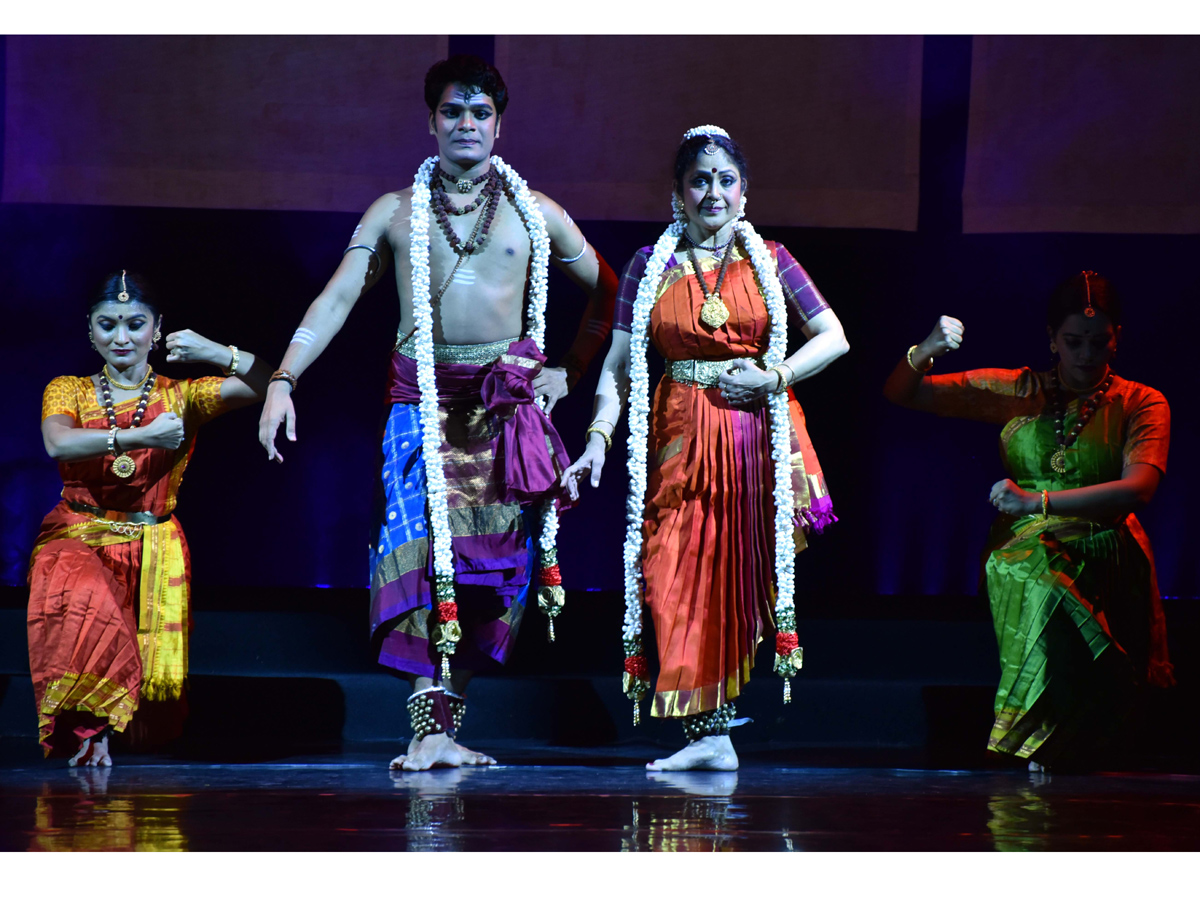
447 633
636 682
789 658
551 596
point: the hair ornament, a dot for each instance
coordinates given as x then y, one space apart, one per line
709 131
1089 310
123 297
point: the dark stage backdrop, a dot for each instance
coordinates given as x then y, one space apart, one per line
911 490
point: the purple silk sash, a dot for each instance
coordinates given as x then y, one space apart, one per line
533 453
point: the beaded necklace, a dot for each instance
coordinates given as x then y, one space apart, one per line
124 466
443 208
1087 409
464 185
717 248
714 313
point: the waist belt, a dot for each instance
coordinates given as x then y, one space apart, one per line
112 515
461 354
702 372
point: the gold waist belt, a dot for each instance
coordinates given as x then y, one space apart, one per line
702 372
112 515
462 354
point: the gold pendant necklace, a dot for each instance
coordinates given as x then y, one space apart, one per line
124 466
714 313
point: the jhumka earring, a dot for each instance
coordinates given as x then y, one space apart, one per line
678 211
154 340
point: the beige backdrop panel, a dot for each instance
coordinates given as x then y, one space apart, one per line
319 123
831 125
1083 134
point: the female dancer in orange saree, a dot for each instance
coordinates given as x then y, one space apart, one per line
1069 570
108 599
715 539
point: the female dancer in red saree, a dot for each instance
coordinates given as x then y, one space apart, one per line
714 539
1069 570
108 599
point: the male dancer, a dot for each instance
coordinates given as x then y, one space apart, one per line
461 263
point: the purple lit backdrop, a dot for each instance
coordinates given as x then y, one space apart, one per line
911 490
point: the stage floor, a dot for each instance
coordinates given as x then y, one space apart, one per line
350 801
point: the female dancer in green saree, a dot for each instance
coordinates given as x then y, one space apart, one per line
1069 571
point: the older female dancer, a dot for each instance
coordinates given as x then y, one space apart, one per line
1069 571
108 599
735 483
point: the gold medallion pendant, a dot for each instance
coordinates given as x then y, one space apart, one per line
1058 462
714 313
124 466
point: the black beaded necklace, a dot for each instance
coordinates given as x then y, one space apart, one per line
123 466
1087 409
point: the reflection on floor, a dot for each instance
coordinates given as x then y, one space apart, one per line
350 801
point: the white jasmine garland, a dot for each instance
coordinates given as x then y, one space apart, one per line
535 327
639 416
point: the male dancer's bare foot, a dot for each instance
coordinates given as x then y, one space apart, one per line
92 752
713 752
467 757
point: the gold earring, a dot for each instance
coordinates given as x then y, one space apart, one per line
1053 347
157 336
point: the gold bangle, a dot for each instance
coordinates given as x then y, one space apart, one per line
284 375
612 425
233 363
782 386
912 365
1045 504
600 431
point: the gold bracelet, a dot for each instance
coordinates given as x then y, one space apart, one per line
1045 504
911 365
782 386
233 363
600 431
283 375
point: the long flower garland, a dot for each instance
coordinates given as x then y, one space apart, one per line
447 633
788 658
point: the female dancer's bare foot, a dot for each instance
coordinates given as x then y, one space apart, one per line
467 757
714 752
1036 767
92 752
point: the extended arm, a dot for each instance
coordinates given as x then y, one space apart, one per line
571 253
612 392
359 270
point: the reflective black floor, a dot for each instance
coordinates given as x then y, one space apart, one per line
350 801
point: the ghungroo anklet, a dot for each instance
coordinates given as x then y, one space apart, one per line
707 723
458 708
429 711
